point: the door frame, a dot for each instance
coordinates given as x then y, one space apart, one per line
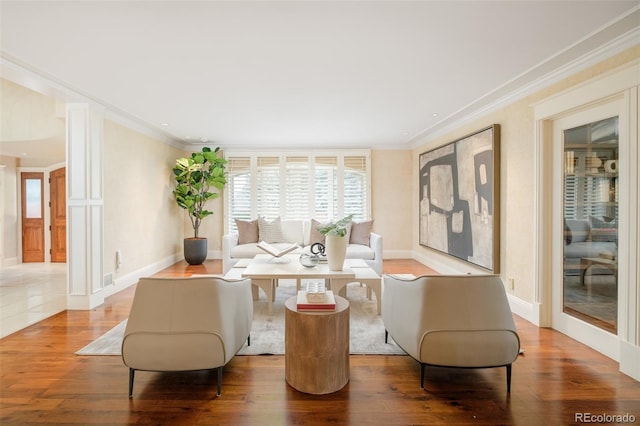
24 176
47 210
620 84
596 337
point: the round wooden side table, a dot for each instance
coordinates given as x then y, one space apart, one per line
316 348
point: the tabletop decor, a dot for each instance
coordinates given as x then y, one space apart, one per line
336 241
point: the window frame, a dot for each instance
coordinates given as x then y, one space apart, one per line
282 155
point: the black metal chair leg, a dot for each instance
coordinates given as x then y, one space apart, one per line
422 366
132 373
219 380
386 336
249 340
509 378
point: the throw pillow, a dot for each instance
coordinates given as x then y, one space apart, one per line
361 232
603 229
314 235
567 234
270 232
247 231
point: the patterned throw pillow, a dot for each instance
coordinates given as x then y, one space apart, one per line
270 232
247 231
361 232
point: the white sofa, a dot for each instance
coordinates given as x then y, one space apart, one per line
186 324
300 232
588 238
451 321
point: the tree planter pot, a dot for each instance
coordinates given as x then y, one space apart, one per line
195 250
336 248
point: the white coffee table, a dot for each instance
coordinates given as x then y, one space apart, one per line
264 271
363 275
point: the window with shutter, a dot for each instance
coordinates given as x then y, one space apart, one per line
299 185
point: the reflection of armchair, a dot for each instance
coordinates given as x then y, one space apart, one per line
186 324
451 321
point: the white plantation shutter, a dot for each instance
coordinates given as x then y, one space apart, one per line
583 196
326 195
239 188
297 188
355 187
268 187
301 185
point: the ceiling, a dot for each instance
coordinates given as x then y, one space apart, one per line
285 74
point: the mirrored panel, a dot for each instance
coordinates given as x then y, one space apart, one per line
590 287
34 198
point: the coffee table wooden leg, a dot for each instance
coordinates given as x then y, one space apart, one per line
268 286
375 285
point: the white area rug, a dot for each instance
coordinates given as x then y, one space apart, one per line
107 344
267 332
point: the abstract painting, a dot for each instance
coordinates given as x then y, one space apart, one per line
459 198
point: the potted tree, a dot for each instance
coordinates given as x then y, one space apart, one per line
199 179
336 241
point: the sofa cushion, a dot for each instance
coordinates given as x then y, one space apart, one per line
293 231
249 251
271 232
361 232
359 251
247 231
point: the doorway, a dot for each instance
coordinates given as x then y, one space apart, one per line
585 291
58 212
32 215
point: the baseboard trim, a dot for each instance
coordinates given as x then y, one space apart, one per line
630 360
127 280
522 308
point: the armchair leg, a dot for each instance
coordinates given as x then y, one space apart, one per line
509 378
386 336
422 368
220 380
249 340
132 373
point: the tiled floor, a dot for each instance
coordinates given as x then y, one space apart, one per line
30 292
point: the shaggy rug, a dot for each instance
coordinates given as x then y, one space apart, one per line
267 332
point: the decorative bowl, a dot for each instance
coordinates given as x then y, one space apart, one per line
309 260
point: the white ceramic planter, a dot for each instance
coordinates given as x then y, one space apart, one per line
336 248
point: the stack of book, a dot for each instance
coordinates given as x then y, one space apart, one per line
316 298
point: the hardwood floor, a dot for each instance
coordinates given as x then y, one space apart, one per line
43 382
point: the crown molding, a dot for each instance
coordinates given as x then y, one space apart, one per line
512 91
13 70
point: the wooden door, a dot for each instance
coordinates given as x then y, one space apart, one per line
32 217
58 197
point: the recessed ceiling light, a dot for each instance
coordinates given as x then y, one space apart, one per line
435 114
164 124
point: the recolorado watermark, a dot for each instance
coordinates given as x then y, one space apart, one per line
604 418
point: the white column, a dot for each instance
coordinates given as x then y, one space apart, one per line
84 206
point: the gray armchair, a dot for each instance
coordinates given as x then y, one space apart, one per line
186 324
451 321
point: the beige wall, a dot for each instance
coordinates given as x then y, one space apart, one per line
140 216
9 211
391 200
517 182
31 119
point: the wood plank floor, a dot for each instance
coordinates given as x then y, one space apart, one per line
43 382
